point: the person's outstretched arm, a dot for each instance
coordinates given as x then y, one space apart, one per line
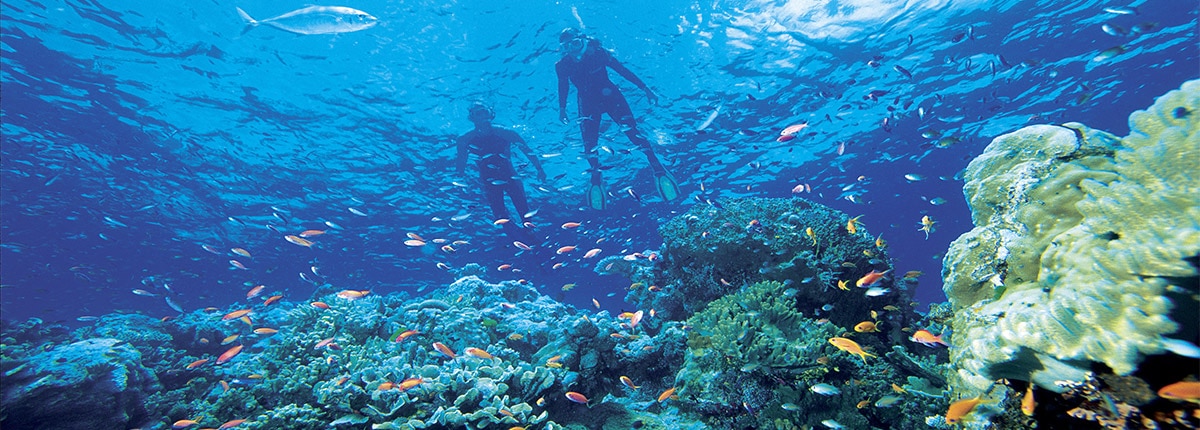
564 88
533 159
629 76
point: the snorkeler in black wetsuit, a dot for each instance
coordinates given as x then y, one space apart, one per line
585 63
493 146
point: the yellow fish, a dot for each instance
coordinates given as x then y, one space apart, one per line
852 225
866 327
851 347
927 223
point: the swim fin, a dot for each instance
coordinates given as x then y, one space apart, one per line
667 187
595 196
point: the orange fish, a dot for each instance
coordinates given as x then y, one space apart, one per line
576 397
231 424
924 337
503 267
319 305
961 408
501 221
596 302
635 319
866 327
386 386
793 129
196 363
353 294
567 225
565 249
414 242
224 386
852 225
1027 402
1188 391
241 252
229 339
254 292
235 315
406 334
478 353
182 424
842 285
311 233
445 350
228 355
871 279
323 343
299 240
409 383
851 347
592 253
785 137
237 264
272 299
523 246
629 383
265 330
666 394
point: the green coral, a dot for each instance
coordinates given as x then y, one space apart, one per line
759 327
741 343
1079 234
711 251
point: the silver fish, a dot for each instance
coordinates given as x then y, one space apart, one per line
877 291
825 389
174 305
317 20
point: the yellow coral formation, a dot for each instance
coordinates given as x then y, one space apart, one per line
1078 235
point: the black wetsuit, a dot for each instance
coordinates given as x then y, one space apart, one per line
597 95
496 173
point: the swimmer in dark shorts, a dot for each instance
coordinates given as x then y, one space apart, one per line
497 177
585 63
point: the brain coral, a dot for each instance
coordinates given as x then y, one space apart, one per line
1078 236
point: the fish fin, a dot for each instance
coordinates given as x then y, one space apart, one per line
246 17
668 189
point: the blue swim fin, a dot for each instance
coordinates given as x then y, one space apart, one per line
595 196
667 187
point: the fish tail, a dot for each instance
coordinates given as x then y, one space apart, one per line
246 17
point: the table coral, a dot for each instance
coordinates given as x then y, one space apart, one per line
1079 234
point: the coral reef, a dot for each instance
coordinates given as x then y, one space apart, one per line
755 361
1079 236
90 384
713 250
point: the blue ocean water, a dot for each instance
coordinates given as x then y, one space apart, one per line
135 133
